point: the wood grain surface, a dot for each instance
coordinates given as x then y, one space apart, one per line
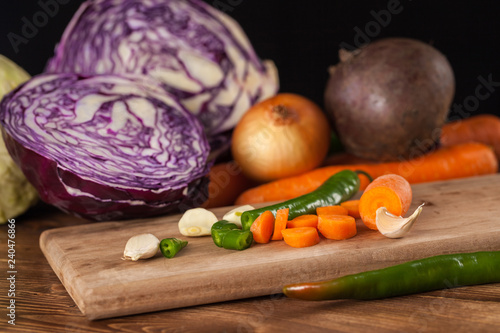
458 217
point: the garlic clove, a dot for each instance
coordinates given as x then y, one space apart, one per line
234 215
197 222
141 246
393 226
194 231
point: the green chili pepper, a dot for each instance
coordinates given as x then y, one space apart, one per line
336 189
237 239
169 247
223 224
220 229
433 273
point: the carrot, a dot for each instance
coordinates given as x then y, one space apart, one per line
262 228
337 227
352 207
307 220
458 161
226 182
483 128
332 210
390 191
280 223
301 237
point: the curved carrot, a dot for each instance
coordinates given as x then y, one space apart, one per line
483 128
301 237
352 207
262 228
332 210
307 220
337 227
280 223
390 191
458 161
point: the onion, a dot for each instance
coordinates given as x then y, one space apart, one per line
282 136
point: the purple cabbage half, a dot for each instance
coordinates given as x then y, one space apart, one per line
106 147
197 53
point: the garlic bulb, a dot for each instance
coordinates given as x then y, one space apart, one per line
141 246
393 226
197 222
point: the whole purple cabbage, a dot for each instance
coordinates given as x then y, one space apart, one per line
198 53
106 147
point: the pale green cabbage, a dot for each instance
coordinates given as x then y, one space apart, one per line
16 193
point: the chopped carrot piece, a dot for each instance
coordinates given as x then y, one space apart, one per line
262 228
352 207
307 220
337 227
301 237
331 210
390 191
280 223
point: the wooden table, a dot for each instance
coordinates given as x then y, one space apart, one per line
43 305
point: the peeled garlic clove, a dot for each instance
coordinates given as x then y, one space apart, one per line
234 215
141 246
197 222
393 226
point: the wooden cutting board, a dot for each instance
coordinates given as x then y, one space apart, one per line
459 216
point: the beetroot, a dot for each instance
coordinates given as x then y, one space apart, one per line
389 99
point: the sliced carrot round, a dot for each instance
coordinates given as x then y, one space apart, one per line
352 207
262 228
301 236
332 210
306 220
280 223
337 227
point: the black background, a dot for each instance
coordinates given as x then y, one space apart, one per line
303 37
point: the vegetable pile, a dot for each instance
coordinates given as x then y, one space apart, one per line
106 147
328 211
141 98
298 222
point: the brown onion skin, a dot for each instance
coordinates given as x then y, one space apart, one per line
389 99
282 136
